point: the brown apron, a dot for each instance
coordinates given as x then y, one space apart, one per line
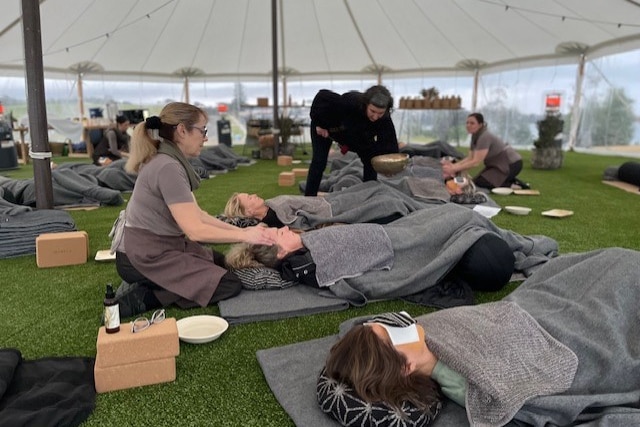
182 268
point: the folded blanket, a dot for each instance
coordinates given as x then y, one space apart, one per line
356 242
256 306
287 208
505 355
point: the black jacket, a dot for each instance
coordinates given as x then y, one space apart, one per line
345 117
299 267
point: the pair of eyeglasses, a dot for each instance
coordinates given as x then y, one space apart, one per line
204 131
142 323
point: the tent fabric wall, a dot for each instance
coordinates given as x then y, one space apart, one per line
229 39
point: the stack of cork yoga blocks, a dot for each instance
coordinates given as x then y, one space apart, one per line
125 359
288 179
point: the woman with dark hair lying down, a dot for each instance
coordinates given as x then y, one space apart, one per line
560 350
359 262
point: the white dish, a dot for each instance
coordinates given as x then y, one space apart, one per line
503 191
105 255
517 210
201 329
557 213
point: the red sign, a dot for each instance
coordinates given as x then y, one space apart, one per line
553 101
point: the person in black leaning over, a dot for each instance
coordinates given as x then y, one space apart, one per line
358 122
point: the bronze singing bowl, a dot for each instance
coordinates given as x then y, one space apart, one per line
390 164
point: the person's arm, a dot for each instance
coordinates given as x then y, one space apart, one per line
452 384
387 135
201 227
112 139
475 158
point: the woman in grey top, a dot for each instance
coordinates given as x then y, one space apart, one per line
502 163
165 226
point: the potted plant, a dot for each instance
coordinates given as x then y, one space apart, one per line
547 152
288 127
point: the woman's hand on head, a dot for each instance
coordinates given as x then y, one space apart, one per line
259 235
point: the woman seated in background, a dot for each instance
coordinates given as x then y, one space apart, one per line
559 350
444 244
163 260
114 144
502 163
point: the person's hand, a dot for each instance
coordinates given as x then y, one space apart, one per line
259 235
322 132
447 170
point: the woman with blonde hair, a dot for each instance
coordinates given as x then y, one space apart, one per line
165 261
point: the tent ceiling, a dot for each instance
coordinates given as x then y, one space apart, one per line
231 39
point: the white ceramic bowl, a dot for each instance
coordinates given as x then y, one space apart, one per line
201 329
503 191
517 210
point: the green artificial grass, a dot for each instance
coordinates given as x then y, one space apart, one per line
56 311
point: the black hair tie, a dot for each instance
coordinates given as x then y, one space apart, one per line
153 122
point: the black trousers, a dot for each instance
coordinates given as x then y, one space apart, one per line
320 147
487 265
229 286
514 169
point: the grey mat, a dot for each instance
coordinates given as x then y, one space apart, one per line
291 372
256 306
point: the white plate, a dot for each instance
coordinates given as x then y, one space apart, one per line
105 255
557 213
503 191
201 329
517 210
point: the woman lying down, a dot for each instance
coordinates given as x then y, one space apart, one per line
561 350
368 202
359 262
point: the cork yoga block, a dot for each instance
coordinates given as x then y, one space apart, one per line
158 341
126 360
286 179
285 160
300 172
131 375
64 248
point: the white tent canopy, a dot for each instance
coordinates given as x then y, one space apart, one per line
231 39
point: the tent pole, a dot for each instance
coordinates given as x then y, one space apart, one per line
274 73
36 105
575 108
187 96
80 97
474 96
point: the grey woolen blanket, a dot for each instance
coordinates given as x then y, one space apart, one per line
505 355
364 202
427 244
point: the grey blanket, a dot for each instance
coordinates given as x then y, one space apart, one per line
357 242
364 202
586 301
256 306
421 180
427 244
505 355
75 184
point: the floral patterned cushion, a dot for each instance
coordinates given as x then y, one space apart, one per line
341 402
